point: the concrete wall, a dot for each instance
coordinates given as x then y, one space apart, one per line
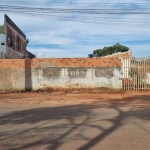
2 47
77 77
74 72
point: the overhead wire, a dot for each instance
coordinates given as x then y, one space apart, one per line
88 15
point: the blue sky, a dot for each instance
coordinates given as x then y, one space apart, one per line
53 33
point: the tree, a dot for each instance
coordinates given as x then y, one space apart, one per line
27 41
110 50
2 29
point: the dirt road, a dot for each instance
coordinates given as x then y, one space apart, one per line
75 120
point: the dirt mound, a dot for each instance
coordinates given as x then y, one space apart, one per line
81 90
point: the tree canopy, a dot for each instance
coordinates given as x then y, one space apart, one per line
2 29
110 50
27 41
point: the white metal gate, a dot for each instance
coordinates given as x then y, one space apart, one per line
136 73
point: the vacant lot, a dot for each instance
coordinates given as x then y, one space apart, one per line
75 120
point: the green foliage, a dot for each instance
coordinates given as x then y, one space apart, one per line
27 41
110 50
2 29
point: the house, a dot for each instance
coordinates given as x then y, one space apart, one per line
29 55
12 41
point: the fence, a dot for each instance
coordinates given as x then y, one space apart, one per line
136 73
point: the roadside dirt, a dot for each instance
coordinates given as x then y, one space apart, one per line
76 96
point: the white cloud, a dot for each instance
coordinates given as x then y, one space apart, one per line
74 38
39 54
48 38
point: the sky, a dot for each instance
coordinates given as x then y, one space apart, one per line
75 28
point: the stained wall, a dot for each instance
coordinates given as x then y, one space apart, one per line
24 74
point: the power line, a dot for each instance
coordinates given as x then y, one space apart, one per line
89 15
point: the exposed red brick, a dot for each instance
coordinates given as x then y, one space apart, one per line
120 55
60 62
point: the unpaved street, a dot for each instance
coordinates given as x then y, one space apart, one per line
63 120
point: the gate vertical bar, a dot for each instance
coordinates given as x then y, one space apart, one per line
138 74
135 75
122 74
148 70
144 68
141 76
127 72
129 66
141 80
144 73
128 59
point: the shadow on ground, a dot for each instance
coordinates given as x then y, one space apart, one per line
54 126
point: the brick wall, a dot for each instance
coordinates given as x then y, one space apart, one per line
120 55
76 62
15 40
59 62
23 74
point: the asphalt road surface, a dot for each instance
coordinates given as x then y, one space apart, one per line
74 125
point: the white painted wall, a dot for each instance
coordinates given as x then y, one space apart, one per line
2 47
64 80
